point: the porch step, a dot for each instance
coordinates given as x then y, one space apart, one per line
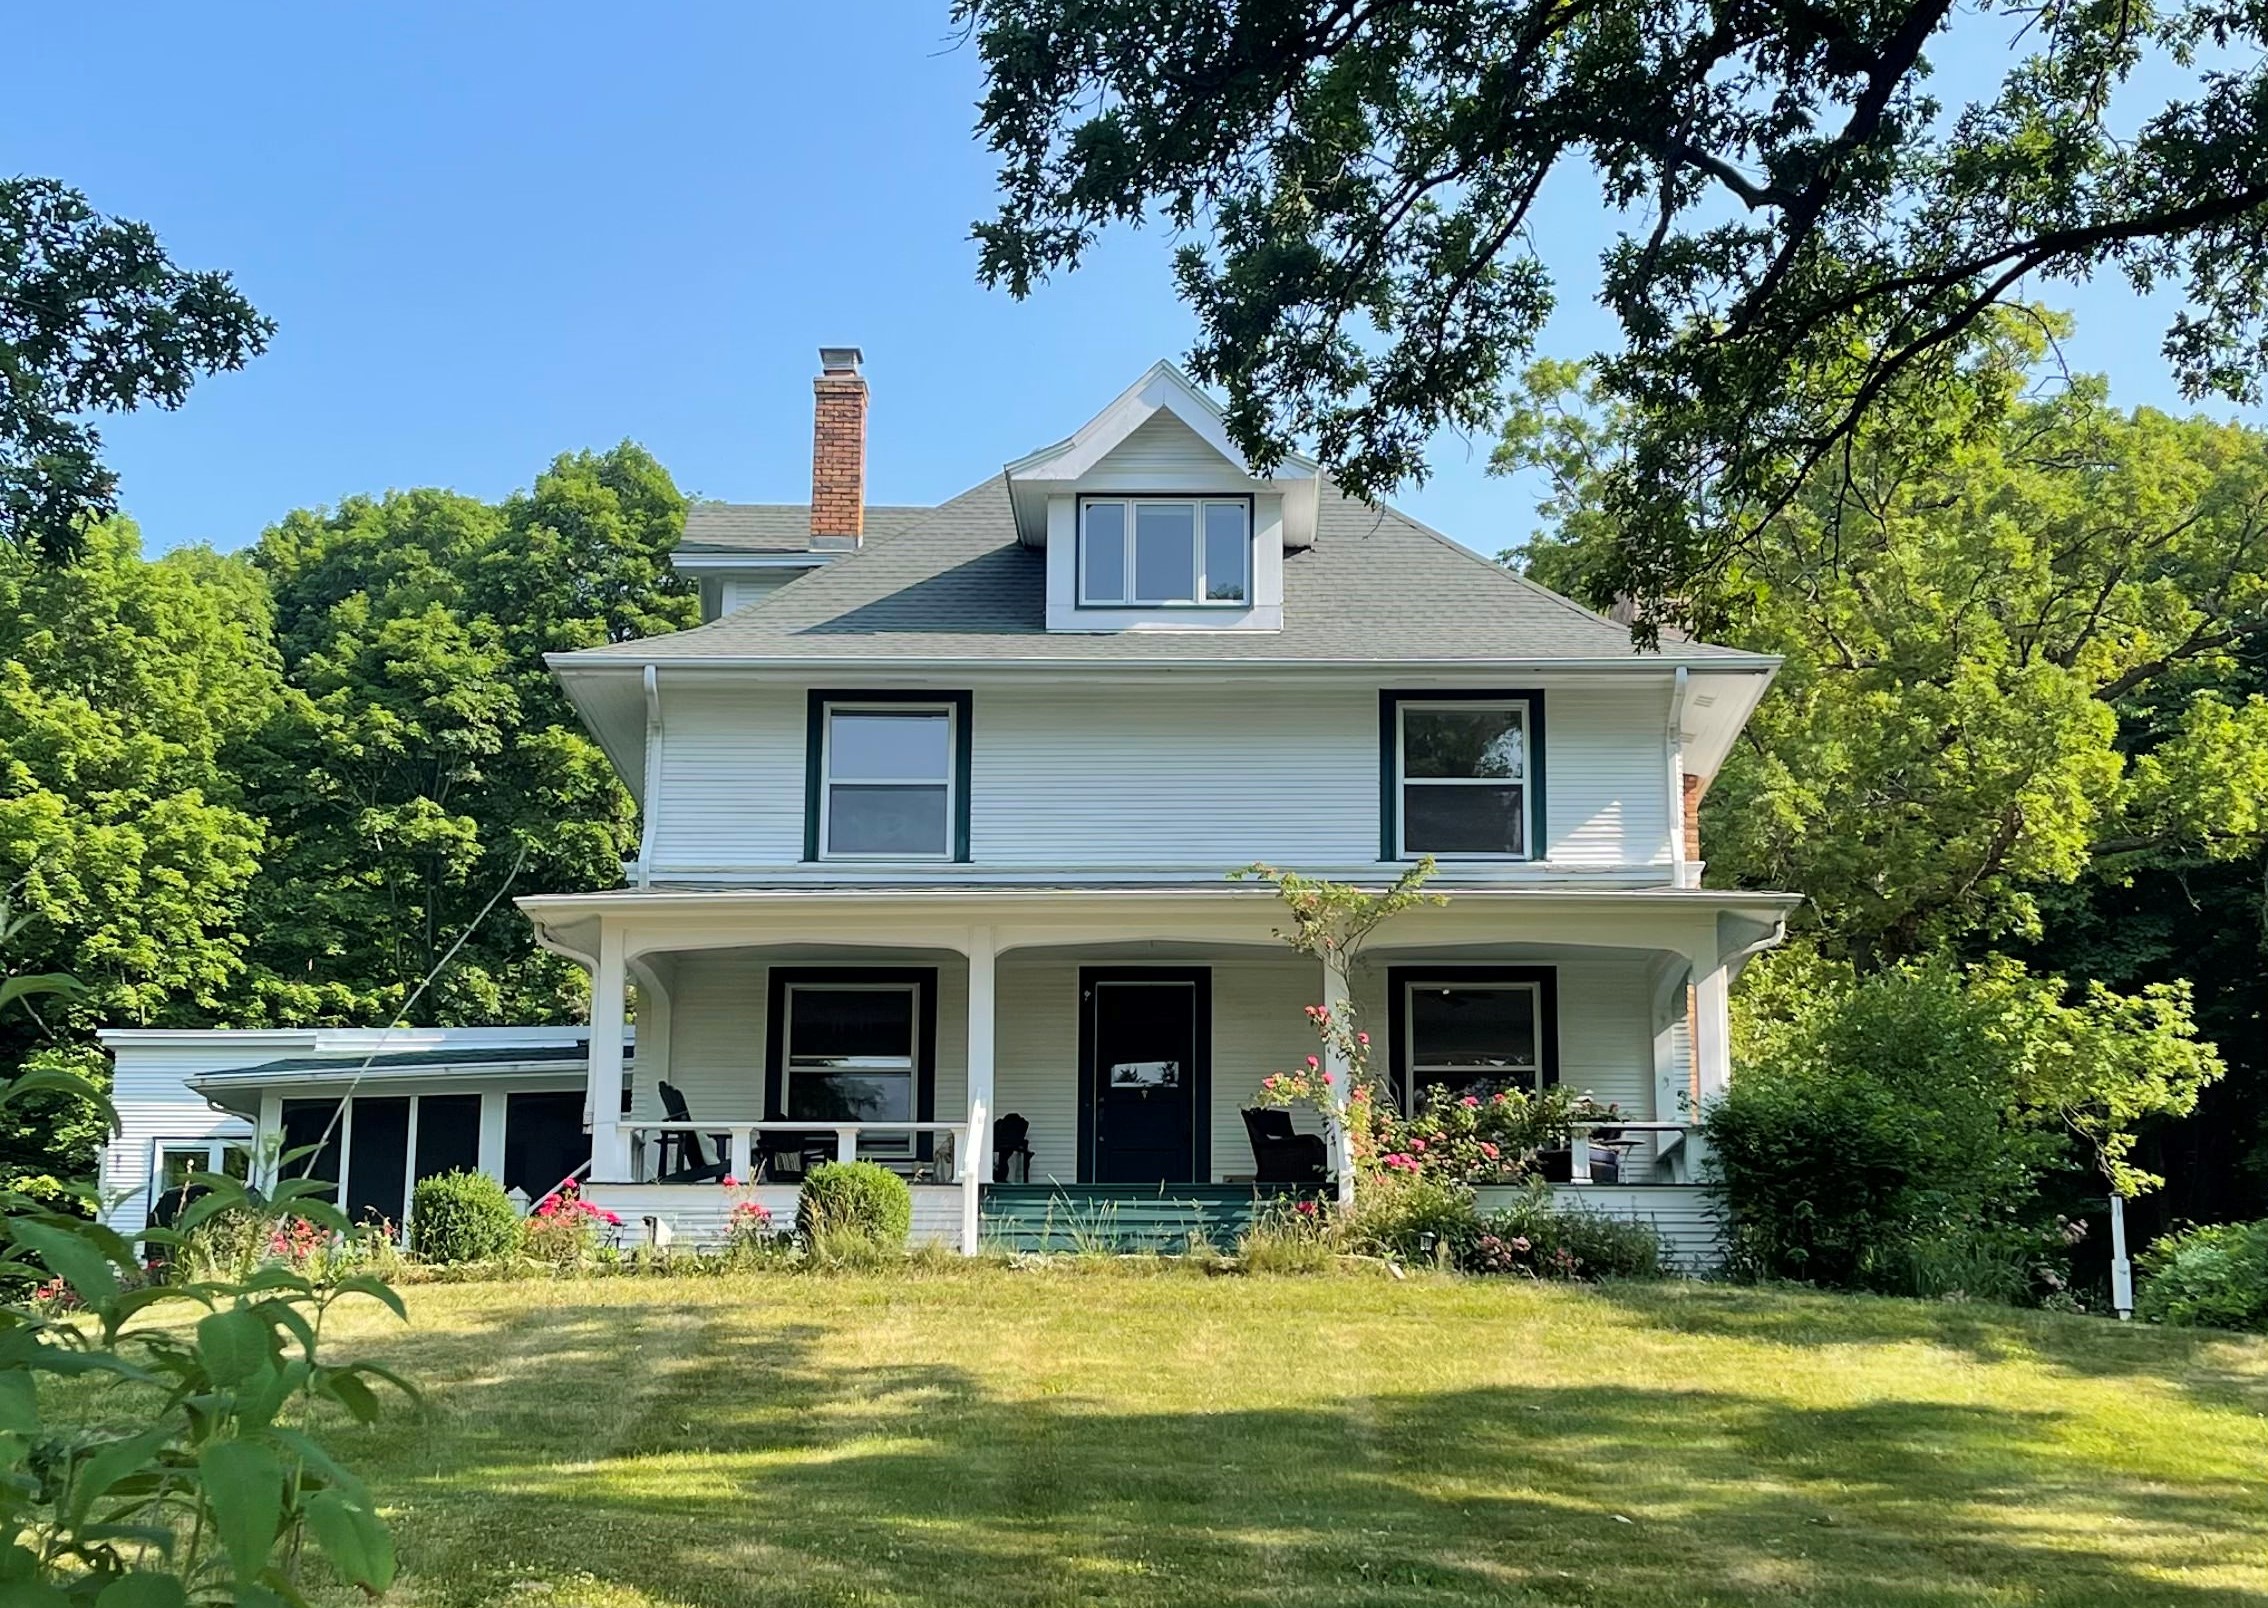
1126 1217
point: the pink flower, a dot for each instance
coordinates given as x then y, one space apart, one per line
1470 1102
1327 1078
1519 1242
1488 1150
1312 1063
1363 1039
731 1182
1306 1208
1417 1144
613 1221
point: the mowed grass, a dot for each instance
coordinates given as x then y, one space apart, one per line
1002 1437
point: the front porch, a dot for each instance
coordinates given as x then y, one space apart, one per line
1116 1039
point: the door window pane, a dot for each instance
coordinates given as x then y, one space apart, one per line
1105 553
1227 542
1165 552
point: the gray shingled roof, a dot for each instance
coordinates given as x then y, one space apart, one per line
1376 587
563 1055
720 527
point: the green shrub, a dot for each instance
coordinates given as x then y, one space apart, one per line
1537 1236
462 1217
1414 1218
2213 1277
1875 1124
853 1202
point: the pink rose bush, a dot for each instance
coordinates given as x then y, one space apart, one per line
564 1228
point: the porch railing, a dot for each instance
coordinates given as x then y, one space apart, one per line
740 1153
1579 1136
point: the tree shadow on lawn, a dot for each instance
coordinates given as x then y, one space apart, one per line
2209 1365
733 1464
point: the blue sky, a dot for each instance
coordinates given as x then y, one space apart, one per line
491 234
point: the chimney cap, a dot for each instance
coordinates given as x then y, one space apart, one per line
840 359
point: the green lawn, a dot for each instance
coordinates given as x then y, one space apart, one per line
1006 1438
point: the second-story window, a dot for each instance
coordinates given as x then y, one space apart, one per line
1153 552
887 782
1461 777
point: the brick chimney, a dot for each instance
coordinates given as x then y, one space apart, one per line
838 449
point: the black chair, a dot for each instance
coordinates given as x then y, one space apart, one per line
684 1160
1558 1166
1011 1138
1281 1154
784 1158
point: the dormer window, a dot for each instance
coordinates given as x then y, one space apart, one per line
1165 552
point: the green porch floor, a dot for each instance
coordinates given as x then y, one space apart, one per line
1128 1217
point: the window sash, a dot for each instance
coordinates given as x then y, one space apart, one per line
1422 1072
1404 781
1202 551
945 785
890 1068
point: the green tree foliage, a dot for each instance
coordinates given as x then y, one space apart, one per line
93 318
1805 226
1894 1130
125 835
423 750
2012 622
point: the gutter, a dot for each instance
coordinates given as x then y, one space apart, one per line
1372 670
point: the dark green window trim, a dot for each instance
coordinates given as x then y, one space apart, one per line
1389 763
922 978
815 747
1398 981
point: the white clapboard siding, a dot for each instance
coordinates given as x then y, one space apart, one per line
718 1032
1605 775
1683 1215
1150 778
154 1103
1160 454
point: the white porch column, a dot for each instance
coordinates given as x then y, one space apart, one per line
610 1144
1712 1030
1336 998
974 1155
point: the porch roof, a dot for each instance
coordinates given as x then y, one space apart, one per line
326 1071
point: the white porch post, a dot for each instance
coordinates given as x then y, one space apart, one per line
610 1143
974 1156
1336 998
1712 1030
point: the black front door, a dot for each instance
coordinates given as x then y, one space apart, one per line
1144 1035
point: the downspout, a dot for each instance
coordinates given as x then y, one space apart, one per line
1676 735
648 805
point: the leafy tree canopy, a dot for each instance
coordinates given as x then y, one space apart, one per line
1805 225
422 751
2010 617
94 318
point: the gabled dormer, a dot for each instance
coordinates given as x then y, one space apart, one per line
1152 520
